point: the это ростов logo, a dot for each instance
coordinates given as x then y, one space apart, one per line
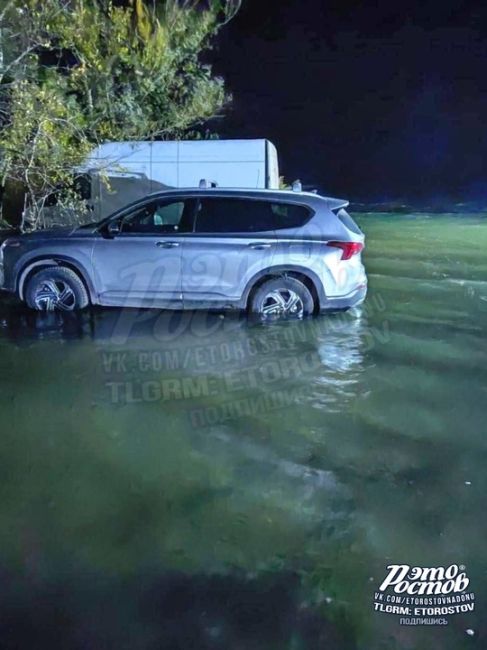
419 581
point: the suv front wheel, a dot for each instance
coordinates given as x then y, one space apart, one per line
56 288
282 296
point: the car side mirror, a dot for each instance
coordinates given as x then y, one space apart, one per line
113 228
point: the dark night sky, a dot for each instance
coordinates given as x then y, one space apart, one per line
362 99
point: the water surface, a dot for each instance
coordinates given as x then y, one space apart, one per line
203 481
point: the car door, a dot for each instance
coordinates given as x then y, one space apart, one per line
233 240
140 266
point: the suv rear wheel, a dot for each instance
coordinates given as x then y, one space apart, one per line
56 288
283 296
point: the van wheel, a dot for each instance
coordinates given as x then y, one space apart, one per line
283 296
56 288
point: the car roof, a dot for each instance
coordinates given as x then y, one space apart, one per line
332 203
232 190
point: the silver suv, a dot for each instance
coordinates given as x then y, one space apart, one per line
271 252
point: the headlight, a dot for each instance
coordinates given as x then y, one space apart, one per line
10 243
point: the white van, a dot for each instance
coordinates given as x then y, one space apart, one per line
135 169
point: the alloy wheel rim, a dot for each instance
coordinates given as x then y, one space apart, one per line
282 302
54 294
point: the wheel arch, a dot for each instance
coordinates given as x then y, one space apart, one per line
307 277
39 263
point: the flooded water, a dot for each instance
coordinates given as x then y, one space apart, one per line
190 481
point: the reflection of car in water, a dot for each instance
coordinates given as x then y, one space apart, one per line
319 353
271 252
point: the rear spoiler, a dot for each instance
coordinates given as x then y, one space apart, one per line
336 204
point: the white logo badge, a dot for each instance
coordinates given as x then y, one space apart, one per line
424 595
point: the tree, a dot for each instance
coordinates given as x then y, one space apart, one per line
75 73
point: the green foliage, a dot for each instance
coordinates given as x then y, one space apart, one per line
76 73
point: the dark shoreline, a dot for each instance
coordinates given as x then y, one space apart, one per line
420 208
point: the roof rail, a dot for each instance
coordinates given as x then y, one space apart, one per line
297 186
206 184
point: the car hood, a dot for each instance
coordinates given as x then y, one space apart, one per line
54 233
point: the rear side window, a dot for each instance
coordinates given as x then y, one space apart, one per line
240 215
348 222
234 215
290 215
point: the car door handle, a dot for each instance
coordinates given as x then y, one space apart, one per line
167 244
260 246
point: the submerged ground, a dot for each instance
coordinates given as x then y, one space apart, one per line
192 481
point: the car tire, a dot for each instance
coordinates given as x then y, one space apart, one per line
282 296
56 288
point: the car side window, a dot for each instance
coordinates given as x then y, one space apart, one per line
159 217
227 215
290 215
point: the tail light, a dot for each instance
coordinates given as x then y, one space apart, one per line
349 248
